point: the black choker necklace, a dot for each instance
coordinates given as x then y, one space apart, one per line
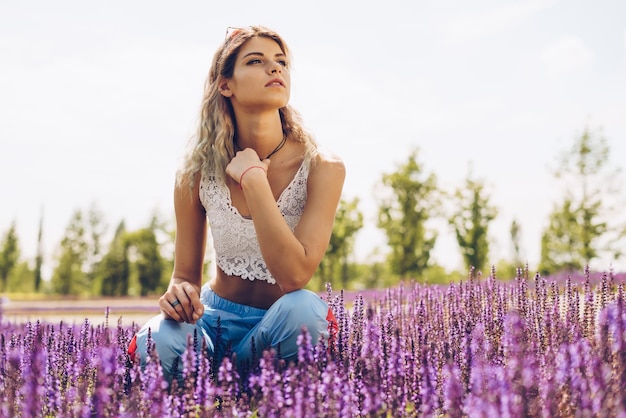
278 147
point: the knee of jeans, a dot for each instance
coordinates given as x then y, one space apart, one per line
305 308
301 297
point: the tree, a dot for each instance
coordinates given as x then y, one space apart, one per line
348 221
21 278
585 225
94 232
113 271
516 232
39 256
470 221
404 216
561 246
9 255
79 253
146 256
69 277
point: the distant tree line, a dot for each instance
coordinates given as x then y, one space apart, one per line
133 262
583 226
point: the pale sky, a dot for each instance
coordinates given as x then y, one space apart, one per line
97 100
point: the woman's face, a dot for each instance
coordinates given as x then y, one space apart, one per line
261 78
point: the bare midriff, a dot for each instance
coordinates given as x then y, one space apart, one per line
255 293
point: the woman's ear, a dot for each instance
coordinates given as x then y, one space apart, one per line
224 88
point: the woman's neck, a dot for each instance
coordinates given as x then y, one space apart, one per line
262 134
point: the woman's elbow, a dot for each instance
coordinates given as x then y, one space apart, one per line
295 281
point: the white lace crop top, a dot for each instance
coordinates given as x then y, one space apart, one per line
237 250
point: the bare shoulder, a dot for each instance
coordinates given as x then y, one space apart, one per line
327 163
325 185
186 190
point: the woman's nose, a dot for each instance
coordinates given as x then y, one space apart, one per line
275 68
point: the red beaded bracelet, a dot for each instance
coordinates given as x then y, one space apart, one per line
248 169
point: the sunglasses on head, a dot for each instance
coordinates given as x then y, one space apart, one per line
231 32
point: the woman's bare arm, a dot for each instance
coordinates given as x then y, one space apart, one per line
190 244
293 257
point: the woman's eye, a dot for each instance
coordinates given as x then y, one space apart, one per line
254 61
282 62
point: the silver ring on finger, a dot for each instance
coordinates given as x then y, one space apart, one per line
175 303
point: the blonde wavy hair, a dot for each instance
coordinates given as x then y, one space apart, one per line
212 146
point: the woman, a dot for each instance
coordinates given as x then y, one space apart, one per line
270 197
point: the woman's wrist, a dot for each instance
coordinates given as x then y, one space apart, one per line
247 170
179 280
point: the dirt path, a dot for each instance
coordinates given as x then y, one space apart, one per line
75 311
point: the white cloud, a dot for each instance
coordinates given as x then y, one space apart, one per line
565 55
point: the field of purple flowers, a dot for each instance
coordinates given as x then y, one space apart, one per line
481 347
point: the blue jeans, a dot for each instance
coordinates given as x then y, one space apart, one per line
277 327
